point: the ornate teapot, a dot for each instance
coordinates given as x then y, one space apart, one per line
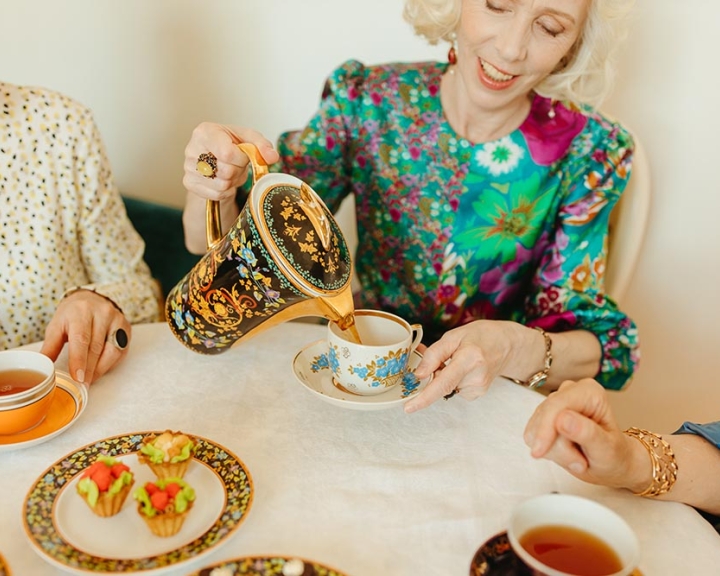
284 257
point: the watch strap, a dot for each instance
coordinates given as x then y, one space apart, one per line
539 378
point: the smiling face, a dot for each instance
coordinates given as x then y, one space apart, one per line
506 48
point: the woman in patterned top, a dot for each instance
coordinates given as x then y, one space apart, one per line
483 188
71 264
576 429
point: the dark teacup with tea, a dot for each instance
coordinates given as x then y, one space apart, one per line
564 535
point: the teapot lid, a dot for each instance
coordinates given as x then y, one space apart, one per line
301 235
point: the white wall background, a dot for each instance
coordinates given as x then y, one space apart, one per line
152 70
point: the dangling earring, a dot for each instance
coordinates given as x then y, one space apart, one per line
551 112
452 53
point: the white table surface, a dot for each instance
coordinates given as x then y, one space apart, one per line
368 493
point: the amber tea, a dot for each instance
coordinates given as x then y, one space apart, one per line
19 380
571 550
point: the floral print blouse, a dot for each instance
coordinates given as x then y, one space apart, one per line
451 231
62 220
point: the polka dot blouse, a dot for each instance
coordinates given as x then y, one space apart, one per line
62 220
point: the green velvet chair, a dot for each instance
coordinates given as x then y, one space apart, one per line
161 228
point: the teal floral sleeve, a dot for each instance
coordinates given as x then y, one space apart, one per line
568 288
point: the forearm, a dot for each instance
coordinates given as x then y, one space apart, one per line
575 355
698 474
194 221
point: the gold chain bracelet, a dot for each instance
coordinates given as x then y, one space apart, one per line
539 378
664 466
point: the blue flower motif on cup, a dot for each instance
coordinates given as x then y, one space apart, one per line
384 371
361 371
333 361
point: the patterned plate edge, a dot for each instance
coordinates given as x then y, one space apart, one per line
270 566
39 527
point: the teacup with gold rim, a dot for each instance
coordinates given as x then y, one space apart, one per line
380 360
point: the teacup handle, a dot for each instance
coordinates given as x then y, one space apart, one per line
213 225
418 329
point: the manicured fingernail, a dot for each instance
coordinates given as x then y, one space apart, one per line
576 467
80 376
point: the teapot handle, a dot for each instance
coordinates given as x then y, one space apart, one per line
213 224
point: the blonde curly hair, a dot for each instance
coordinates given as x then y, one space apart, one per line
587 76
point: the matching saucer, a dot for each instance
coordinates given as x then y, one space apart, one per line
496 558
312 369
68 404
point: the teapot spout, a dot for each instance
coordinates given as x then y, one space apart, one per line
339 308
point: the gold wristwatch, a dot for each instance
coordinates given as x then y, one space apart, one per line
539 378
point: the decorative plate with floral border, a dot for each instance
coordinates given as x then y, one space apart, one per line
48 532
268 566
4 568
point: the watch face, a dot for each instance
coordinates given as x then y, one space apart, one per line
537 380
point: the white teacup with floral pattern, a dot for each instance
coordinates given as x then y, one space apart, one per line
380 361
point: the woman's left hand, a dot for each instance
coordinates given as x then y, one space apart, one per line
575 428
466 359
87 322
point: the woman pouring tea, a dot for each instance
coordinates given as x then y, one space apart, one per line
483 188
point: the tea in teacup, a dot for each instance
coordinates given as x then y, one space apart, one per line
380 360
571 550
563 535
18 380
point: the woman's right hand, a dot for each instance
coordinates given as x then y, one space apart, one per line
87 321
232 163
231 172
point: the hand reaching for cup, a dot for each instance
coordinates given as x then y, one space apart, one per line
96 331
